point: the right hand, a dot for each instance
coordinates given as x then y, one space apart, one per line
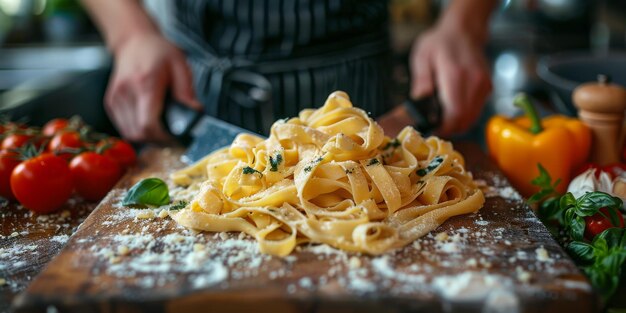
145 66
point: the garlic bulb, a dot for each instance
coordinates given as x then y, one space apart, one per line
587 182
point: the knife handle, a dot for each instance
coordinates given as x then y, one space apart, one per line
179 120
427 112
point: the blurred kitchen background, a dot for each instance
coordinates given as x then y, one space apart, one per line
53 61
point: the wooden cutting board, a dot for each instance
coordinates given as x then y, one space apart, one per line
29 241
501 259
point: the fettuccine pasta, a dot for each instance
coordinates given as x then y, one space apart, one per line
328 176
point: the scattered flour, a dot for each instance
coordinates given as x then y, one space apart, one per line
470 285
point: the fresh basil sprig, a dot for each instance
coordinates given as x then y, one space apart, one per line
546 187
548 198
602 259
587 205
149 191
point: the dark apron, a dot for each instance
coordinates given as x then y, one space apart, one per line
257 63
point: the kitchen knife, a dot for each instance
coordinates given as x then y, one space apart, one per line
427 113
201 133
204 134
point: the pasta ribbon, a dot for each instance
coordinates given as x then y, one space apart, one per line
328 176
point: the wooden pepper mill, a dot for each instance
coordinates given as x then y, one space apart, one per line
601 107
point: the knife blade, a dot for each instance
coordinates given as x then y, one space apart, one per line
201 133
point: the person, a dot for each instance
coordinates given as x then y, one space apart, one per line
250 62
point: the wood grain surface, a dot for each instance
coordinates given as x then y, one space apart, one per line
501 259
29 241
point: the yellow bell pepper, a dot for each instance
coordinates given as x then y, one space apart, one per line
560 144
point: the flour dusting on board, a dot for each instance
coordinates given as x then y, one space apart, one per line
152 251
22 243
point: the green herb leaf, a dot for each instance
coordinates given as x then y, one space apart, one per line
149 191
543 181
434 164
275 162
602 280
373 161
567 201
577 228
590 203
394 143
581 251
249 170
601 247
550 210
178 205
613 262
546 187
613 236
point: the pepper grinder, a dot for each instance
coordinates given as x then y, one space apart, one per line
601 107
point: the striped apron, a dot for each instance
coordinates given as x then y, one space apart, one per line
255 61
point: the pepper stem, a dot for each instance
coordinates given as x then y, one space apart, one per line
523 102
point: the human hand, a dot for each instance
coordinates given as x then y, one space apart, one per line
450 58
146 64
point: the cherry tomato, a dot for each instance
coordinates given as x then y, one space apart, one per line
94 174
8 161
597 223
43 183
15 141
68 140
119 150
55 126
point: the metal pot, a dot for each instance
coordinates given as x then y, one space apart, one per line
565 71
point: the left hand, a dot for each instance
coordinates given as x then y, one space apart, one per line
450 58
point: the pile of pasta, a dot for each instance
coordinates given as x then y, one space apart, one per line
328 176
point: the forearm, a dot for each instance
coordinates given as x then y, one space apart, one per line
469 15
119 19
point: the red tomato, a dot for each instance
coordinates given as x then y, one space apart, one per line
55 126
120 151
94 174
596 224
8 161
15 141
65 141
43 183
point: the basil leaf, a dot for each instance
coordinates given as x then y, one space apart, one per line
581 251
613 237
601 247
567 201
590 203
543 181
550 210
577 228
602 281
540 195
149 191
613 262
